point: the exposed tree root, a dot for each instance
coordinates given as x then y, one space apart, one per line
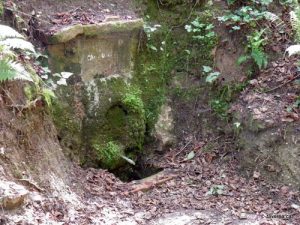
151 182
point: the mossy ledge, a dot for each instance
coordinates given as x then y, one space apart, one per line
69 33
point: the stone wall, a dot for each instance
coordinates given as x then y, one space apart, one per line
100 113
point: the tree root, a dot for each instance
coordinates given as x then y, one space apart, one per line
150 182
29 183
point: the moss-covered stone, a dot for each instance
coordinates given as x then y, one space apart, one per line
109 154
69 33
67 114
115 112
123 94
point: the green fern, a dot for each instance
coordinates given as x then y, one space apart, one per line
6 71
259 58
48 96
295 21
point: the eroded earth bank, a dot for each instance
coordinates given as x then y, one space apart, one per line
149 112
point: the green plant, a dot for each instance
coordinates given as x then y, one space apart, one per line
220 104
201 30
237 128
149 30
211 75
109 154
133 101
255 50
295 21
220 107
216 190
249 14
7 72
1 7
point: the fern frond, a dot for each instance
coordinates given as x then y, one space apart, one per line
8 32
17 43
259 58
7 72
48 96
295 21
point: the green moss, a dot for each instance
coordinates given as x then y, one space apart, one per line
69 129
133 101
109 154
115 114
1 7
170 50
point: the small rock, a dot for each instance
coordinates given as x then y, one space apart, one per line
271 168
12 195
242 216
256 174
109 18
295 206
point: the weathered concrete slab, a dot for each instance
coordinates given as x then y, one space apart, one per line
111 113
97 49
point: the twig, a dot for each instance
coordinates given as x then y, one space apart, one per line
148 185
28 182
181 150
26 14
275 88
27 106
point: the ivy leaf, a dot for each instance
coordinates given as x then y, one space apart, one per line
212 77
66 75
152 47
191 155
207 69
209 27
188 28
236 18
236 28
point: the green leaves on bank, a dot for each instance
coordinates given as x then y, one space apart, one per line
7 72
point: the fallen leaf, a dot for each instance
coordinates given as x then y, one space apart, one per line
191 155
256 174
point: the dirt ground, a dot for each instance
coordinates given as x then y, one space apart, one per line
49 16
203 190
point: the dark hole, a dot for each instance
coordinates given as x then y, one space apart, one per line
139 171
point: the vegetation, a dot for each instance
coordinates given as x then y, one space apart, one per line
133 101
255 50
7 72
1 8
109 154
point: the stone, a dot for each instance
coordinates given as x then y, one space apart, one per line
164 127
111 25
100 111
12 195
274 156
66 34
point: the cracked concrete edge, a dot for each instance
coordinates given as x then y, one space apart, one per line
68 33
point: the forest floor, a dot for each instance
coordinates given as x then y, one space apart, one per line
202 190
49 17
